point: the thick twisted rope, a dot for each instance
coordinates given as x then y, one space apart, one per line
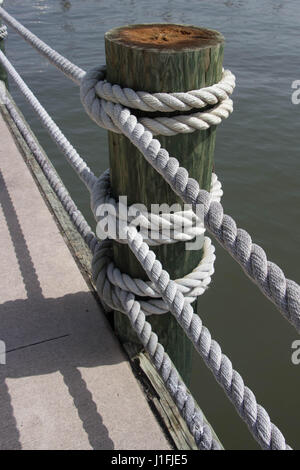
256 417
218 94
68 150
265 432
126 302
70 70
284 293
259 423
168 102
67 202
192 285
187 407
168 227
160 125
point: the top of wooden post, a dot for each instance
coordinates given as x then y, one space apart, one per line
165 37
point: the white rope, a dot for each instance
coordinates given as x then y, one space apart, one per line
260 425
70 70
216 95
55 182
191 286
284 292
160 125
79 165
168 102
183 225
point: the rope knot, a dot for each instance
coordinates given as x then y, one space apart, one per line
164 228
100 98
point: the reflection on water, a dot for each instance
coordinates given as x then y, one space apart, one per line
257 159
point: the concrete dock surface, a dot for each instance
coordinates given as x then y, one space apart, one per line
67 383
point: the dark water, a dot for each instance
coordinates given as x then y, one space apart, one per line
257 159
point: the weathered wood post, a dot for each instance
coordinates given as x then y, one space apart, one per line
3 74
161 58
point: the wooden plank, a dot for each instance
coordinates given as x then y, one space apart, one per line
162 401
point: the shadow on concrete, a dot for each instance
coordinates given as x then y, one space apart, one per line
46 335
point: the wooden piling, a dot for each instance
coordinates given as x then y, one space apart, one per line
161 58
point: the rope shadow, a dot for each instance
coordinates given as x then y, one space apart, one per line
9 432
26 266
65 338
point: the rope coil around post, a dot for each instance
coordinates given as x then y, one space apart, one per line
226 232
192 285
168 102
284 293
110 115
94 85
157 229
